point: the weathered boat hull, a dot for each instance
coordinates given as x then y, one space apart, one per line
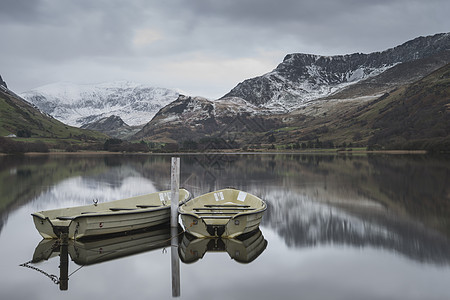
107 218
224 213
102 224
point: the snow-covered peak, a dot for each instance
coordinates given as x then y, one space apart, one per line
80 104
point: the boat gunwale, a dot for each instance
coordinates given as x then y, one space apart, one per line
127 211
228 217
103 214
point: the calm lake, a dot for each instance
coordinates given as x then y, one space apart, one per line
336 227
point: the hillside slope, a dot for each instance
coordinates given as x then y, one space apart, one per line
417 116
196 118
414 116
20 118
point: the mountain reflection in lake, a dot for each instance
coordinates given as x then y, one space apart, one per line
336 227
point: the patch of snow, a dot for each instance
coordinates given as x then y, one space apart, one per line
356 75
168 119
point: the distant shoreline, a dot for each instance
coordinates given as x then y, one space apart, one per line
322 152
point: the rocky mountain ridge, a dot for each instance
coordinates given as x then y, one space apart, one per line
194 117
113 126
305 77
2 82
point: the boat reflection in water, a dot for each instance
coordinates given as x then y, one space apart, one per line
244 249
89 252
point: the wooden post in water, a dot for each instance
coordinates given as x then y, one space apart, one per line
175 195
175 189
175 262
64 262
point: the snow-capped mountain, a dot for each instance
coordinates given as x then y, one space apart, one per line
79 105
304 77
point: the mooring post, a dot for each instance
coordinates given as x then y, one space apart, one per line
175 196
175 259
175 189
64 262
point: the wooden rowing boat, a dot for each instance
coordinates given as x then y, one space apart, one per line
226 213
107 218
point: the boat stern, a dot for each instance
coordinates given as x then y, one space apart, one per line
43 226
195 226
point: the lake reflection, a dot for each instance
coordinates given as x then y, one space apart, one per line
336 227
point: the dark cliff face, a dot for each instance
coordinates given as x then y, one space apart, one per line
176 119
110 123
316 72
113 126
294 66
184 104
195 117
2 82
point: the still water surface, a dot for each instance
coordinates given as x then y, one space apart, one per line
337 227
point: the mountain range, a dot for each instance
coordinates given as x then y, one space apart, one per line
318 101
80 105
307 99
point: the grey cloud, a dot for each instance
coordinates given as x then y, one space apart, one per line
55 30
19 10
54 33
343 24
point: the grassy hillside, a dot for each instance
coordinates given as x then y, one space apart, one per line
415 116
20 118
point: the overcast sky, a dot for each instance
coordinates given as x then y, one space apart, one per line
203 47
